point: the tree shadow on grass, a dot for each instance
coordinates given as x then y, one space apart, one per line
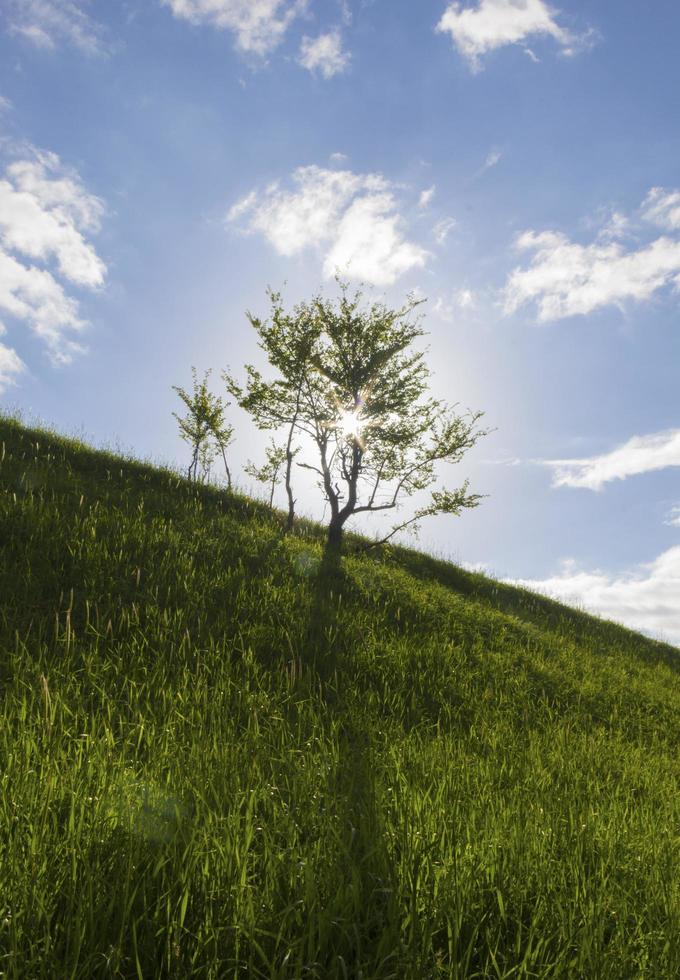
322 628
366 937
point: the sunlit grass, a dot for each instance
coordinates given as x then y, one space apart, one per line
220 759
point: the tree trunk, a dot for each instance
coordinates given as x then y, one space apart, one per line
290 520
224 457
289 486
334 539
193 465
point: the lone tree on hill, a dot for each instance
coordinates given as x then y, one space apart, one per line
204 427
351 382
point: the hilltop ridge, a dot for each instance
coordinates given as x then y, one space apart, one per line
220 758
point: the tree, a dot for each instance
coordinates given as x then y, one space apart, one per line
268 473
288 341
353 383
204 427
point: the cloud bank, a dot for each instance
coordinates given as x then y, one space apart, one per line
351 219
645 599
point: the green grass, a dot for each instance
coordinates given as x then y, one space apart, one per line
220 758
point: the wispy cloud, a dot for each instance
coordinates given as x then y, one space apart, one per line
616 226
426 196
493 157
352 219
48 23
490 24
641 454
45 216
465 298
257 25
673 517
662 208
461 299
11 365
345 11
646 598
443 229
324 54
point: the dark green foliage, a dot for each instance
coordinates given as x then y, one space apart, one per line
224 755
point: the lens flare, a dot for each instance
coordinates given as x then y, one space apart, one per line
349 424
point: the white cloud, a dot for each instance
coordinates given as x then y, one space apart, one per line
662 208
426 196
294 220
641 454
565 278
673 517
442 229
495 23
644 599
258 25
568 279
369 244
34 296
42 212
324 54
45 213
11 365
47 22
352 218
5 104
338 157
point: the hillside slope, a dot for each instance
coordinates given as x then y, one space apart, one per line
220 758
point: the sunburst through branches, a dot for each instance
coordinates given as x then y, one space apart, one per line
351 423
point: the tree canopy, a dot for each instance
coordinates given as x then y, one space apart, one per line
351 384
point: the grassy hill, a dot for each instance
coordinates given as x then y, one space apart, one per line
219 758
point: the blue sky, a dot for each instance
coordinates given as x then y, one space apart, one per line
162 163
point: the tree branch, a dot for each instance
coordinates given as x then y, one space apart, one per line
395 530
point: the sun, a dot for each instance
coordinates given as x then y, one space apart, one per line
349 424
